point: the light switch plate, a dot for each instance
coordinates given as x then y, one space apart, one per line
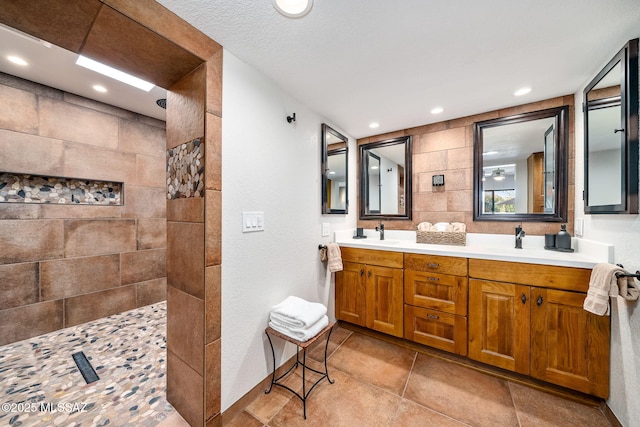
252 221
578 227
325 229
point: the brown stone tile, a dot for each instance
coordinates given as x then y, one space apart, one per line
443 140
533 106
376 362
213 224
164 22
86 161
152 233
428 162
185 389
28 321
212 379
433 127
460 393
267 405
35 240
367 405
151 292
141 266
185 257
434 217
213 153
19 285
140 138
69 211
64 278
97 305
81 101
430 202
27 85
385 136
14 145
114 236
460 158
144 202
20 111
213 301
214 84
338 336
214 422
19 211
470 120
173 420
186 210
185 328
150 171
244 419
412 414
539 409
186 108
460 201
69 122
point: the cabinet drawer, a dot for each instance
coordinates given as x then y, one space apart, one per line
435 291
372 257
436 264
436 329
546 276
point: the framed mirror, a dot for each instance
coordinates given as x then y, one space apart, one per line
520 167
611 136
335 178
385 179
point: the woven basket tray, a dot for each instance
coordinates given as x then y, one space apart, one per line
442 237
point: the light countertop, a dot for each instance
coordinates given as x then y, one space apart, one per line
498 247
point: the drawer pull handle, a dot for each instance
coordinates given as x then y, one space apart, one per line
433 265
539 302
433 316
433 279
369 273
361 271
524 298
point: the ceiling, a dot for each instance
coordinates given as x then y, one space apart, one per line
360 61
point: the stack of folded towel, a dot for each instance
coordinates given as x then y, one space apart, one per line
298 318
605 283
457 227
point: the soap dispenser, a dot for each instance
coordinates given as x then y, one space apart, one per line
563 238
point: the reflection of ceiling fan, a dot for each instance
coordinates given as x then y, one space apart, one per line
498 174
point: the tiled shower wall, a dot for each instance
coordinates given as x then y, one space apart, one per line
447 148
61 265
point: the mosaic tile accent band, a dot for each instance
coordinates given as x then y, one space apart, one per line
23 188
185 170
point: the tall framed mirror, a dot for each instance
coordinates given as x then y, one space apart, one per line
520 167
611 136
335 177
385 179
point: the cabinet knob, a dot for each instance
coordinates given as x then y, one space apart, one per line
539 301
361 271
433 316
523 298
369 273
433 279
433 265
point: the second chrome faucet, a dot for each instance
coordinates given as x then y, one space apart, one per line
380 228
519 236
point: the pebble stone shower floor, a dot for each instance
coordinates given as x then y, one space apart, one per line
40 384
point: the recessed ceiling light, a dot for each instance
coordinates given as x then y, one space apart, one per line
99 88
293 8
332 172
522 91
437 110
17 60
374 167
374 125
105 70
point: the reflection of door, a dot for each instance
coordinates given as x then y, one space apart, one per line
400 190
535 183
373 189
549 170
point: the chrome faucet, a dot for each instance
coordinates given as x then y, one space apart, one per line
381 230
519 236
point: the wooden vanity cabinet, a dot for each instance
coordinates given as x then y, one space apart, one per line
435 296
529 319
369 290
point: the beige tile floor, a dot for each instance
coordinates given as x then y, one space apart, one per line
381 384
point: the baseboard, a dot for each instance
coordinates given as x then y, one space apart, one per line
611 417
241 404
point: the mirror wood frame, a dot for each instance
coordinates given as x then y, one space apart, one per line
628 59
560 213
408 189
325 153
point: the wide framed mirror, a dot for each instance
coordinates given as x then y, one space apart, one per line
385 179
335 177
520 167
611 136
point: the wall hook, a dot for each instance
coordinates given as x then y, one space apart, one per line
291 118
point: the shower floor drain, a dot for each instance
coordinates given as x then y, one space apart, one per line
85 368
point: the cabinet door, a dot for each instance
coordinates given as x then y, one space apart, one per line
569 346
437 329
499 324
440 292
384 300
350 293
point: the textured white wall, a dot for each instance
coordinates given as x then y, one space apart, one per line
272 166
623 231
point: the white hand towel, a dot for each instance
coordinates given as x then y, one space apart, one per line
424 226
298 313
602 284
335 257
301 334
442 226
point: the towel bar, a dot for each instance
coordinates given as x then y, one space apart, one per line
637 275
321 247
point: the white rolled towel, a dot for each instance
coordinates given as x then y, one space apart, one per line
295 312
301 334
442 226
424 226
459 227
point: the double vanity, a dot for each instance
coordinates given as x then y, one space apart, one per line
516 309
